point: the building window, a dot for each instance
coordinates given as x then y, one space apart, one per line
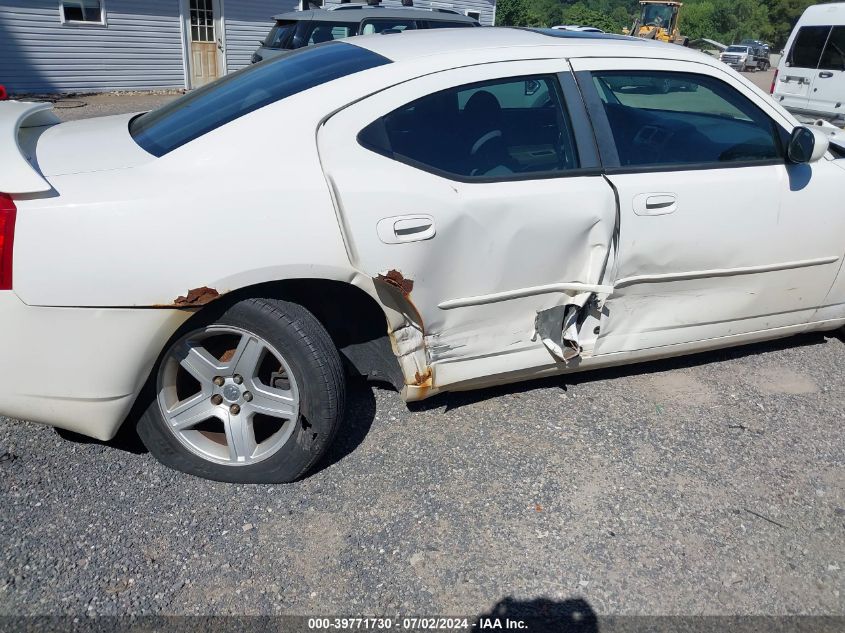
475 15
83 11
202 21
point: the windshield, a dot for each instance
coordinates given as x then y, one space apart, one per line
657 15
737 49
246 90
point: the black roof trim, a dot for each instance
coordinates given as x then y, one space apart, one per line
583 35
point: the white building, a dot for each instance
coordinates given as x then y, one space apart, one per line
49 46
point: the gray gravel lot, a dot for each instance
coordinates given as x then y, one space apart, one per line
713 484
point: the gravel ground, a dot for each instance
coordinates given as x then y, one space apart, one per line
713 484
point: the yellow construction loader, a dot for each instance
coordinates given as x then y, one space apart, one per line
659 20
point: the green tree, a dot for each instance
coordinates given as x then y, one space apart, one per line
698 20
581 14
512 13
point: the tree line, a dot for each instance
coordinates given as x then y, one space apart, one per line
727 21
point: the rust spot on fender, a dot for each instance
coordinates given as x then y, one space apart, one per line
423 380
197 297
394 278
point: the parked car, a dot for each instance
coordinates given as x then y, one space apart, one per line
438 210
297 29
760 50
739 57
577 28
810 79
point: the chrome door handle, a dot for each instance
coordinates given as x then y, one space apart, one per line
655 203
825 75
398 229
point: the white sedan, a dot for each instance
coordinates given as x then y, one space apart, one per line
439 210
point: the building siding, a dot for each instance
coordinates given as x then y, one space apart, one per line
247 22
139 48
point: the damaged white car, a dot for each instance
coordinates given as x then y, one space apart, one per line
440 210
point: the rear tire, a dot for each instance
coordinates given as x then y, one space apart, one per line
256 395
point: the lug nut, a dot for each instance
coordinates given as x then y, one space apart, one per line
238 379
247 396
235 409
218 381
216 399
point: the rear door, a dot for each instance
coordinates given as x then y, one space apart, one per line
798 71
828 90
477 192
719 236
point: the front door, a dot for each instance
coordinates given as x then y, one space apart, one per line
206 41
477 191
719 235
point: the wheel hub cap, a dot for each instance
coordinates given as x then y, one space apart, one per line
232 393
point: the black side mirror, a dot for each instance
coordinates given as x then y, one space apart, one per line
801 145
807 145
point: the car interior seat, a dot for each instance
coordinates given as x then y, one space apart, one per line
487 150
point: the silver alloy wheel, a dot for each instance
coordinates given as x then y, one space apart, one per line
227 395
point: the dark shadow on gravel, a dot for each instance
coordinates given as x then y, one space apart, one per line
540 615
126 439
450 401
360 413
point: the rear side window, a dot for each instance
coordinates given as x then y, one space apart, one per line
833 57
676 119
242 92
494 130
807 48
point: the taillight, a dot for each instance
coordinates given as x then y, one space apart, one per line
774 81
8 212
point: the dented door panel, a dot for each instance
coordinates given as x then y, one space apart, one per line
740 252
500 253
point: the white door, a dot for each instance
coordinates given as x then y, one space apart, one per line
467 183
718 234
206 41
828 91
798 70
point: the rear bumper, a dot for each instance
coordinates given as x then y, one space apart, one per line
78 368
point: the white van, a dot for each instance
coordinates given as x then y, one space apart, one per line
810 79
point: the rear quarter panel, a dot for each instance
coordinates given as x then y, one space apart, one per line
244 204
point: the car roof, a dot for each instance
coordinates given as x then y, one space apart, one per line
502 41
357 13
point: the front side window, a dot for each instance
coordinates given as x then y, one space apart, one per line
442 24
501 130
671 119
808 46
319 32
833 57
369 27
82 11
246 90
